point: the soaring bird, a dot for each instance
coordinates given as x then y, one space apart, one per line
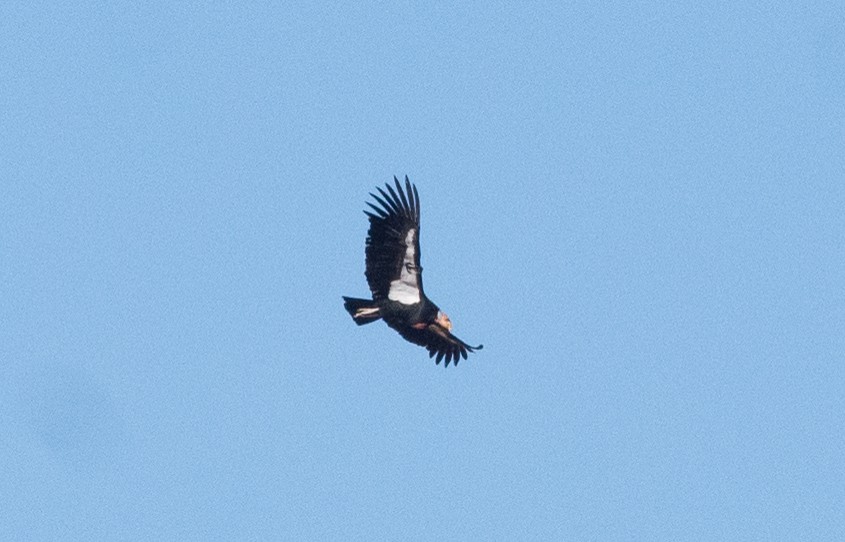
394 275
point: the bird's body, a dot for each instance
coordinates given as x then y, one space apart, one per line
394 275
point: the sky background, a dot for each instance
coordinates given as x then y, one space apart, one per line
638 209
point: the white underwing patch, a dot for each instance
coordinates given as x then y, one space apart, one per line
406 289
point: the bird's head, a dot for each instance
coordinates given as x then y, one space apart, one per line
443 320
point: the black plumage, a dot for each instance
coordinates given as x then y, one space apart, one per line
394 275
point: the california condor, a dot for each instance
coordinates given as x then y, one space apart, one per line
394 274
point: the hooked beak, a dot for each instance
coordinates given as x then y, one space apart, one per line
443 321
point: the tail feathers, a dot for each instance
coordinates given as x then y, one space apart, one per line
363 311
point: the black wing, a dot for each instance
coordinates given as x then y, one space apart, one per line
440 341
393 245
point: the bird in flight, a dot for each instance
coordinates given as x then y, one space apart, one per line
394 275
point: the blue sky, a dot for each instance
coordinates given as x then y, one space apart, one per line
638 209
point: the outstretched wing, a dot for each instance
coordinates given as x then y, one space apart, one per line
440 341
393 245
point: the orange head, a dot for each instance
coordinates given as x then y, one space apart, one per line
443 320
